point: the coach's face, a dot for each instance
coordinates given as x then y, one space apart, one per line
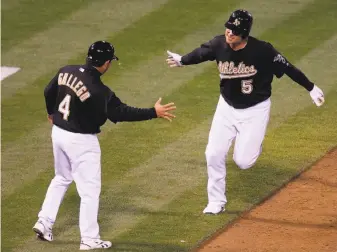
231 38
106 66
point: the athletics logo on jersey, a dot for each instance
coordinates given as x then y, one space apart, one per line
280 58
228 70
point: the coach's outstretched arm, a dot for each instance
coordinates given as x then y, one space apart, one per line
121 112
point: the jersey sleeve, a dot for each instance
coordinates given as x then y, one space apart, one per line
50 94
117 111
281 66
278 62
206 52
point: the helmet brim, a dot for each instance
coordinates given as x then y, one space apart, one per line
231 26
115 57
234 28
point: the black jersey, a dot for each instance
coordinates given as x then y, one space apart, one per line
246 74
81 103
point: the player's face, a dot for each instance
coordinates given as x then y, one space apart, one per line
231 38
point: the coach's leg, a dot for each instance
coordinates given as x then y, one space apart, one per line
87 176
56 189
220 139
251 132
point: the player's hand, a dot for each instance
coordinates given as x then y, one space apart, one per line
317 96
50 118
173 59
163 110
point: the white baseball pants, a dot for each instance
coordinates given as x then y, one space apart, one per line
248 127
77 157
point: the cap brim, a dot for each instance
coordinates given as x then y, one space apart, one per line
233 27
115 57
230 26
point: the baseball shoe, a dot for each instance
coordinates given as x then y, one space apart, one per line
95 244
43 232
214 209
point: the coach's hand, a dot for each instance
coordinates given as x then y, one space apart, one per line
162 110
174 59
317 96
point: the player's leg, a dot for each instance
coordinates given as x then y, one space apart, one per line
86 171
220 139
56 189
251 132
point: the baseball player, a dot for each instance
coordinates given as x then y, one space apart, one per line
78 104
246 67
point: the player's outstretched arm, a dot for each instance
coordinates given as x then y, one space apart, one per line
205 52
281 65
299 77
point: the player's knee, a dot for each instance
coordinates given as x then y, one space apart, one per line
244 163
59 180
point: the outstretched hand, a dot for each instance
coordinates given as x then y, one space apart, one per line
317 96
163 110
173 59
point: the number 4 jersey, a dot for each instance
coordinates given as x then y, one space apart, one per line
245 75
81 103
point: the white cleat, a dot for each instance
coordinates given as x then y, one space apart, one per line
95 244
214 209
42 232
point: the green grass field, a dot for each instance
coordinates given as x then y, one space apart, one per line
154 172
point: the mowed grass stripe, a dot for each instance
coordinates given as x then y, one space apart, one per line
46 51
8 5
22 19
152 76
122 197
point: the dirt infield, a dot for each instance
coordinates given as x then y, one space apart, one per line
302 216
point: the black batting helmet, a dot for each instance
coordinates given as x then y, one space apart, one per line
240 22
100 52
